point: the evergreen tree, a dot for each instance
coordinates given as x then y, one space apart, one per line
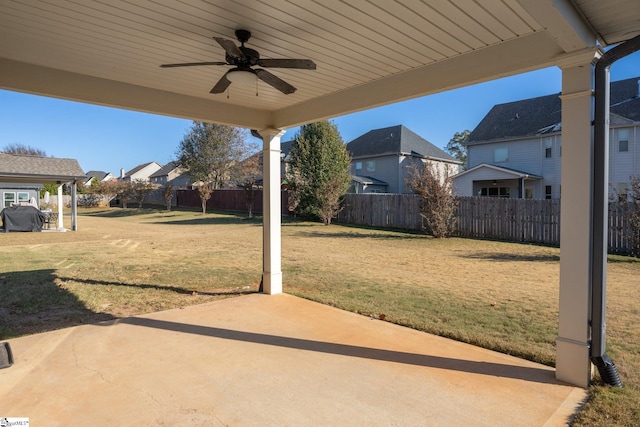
319 171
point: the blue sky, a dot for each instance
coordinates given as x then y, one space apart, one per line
108 139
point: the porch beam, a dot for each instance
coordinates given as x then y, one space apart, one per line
573 363
271 212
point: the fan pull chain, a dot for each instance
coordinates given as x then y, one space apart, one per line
256 86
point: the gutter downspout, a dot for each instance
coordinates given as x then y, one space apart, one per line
606 367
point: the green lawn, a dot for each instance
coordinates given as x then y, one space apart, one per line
498 295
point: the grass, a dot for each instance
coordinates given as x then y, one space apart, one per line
498 295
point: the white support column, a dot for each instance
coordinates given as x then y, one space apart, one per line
573 363
271 213
74 206
60 223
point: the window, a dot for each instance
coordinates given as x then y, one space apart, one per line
528 193
495 192
7 199
358 168
500 155
23 197
547 192
623 140
371 165
548 148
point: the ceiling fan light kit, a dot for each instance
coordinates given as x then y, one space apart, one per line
242 77
243 58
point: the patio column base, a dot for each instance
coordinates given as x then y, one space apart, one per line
567 370
272 283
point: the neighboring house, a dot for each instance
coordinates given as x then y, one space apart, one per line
171 174
285 147
18 170
381 158
98 176
516 149
141 172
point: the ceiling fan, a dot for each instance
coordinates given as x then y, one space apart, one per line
243 58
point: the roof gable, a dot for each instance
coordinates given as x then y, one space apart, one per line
99 175
395 140
138 168
164 170
500 169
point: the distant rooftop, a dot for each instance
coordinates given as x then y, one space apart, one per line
395 140
542 115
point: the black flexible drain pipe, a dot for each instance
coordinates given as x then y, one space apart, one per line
599 358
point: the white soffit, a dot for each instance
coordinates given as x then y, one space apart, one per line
368 52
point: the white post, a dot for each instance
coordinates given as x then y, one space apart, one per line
271 212
573 364
74 206
60 224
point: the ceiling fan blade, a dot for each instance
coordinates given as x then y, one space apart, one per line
274 81
230 47
222 84
192 64
304 64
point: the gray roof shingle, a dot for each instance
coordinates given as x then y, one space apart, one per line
164 171
40 169
395 140
137 169
99 175
537 116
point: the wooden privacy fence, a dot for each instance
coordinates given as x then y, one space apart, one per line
518 220
228 200
381 210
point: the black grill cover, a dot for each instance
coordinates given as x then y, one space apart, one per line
22 218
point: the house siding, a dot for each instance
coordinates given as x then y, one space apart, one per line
470 184
386 169
144 173
527 155
539 122
622 165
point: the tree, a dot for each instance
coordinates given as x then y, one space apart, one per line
249 173
319 171
456 146
209 152
141 189
22 149
432 182
127 192
205 190
110 189
51 188
167 193
631 203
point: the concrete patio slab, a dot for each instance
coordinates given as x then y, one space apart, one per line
259 360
